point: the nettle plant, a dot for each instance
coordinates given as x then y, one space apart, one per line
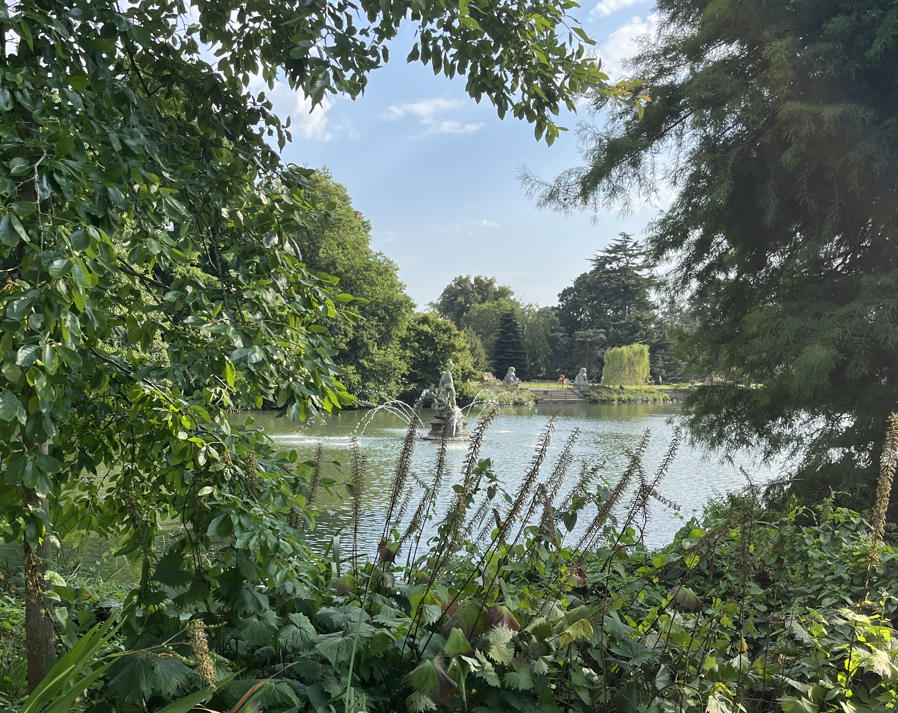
150 277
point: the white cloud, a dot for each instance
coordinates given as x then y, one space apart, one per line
430 113
607 7
306 122
624 43
469 227
311 123
422 109
452 127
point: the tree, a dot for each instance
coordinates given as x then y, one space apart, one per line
338 242
431 342
141 203
614 296
484 319
465 292
509 347
538 325
777 122
626 366
478 353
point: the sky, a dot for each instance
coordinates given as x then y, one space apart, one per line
437 174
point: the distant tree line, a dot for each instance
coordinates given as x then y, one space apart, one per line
614 303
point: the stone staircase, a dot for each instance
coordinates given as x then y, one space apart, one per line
565 394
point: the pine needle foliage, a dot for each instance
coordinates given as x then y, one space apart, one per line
776 123
509 349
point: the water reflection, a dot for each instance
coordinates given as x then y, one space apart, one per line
607 431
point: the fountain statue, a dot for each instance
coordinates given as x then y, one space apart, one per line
511 378
581 381
448 419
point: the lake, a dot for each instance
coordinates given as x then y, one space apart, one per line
606 432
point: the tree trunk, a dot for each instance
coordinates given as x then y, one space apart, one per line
40 634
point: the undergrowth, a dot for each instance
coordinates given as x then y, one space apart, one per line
542 599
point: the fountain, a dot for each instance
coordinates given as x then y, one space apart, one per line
448 420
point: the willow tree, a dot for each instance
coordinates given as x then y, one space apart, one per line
626 366
776 122
149 266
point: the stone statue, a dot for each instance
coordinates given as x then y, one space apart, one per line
581 379
444 400
448 419
511 378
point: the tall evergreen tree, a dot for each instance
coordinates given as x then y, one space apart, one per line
611 305
509 348
778 122
613 296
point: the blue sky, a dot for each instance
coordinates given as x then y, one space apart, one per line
437 174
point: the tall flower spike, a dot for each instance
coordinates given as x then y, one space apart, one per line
316 476
635 466
403 466
196 632
357 459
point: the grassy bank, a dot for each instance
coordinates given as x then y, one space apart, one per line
628 395
496 392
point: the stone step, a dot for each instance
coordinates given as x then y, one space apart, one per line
556 395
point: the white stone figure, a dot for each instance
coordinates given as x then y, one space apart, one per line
581 379
444 401
511 378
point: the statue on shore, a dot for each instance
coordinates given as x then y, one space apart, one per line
581 379
511 378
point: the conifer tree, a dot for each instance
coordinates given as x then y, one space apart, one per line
509 348
777 122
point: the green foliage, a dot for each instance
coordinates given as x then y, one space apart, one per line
508 350
478 352
338 242
465 292
777 120
613 297
149 243
628 395
430 342
485 318
540 326
746 610
12 647
626 366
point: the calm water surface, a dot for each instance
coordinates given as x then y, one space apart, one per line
606 432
